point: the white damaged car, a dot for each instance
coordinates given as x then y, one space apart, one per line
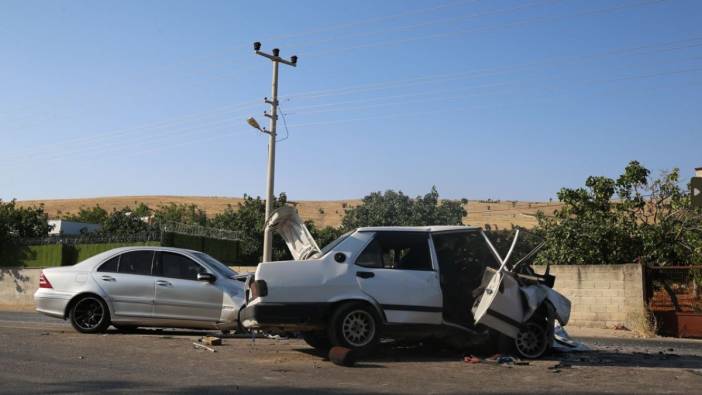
442 282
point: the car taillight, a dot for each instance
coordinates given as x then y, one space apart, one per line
43 282
258 288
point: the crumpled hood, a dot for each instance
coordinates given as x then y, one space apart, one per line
288 224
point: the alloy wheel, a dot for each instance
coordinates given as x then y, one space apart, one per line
358 328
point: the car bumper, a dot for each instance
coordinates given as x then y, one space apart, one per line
298 316
51 303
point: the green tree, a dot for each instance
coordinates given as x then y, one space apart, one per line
91 215
397 209
22 222
123 222
622 221
183 213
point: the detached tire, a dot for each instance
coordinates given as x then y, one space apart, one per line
89 314
355 326
319 340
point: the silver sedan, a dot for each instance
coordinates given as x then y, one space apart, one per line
143 286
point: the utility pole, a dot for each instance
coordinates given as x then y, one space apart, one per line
276 59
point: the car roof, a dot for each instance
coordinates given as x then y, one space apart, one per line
149 248
432 228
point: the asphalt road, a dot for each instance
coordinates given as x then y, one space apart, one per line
43 355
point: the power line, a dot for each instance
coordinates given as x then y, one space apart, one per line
524 22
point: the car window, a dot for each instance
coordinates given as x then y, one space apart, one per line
397 250
136 262
177 266
218 266
463 252
110 266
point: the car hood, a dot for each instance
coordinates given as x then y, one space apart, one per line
288 224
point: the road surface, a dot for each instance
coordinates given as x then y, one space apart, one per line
44 355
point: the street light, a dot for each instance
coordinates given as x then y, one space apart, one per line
252 122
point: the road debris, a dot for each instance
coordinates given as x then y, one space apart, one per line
562 342
342 356
211 340
471 359
204 347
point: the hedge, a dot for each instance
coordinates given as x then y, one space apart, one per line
31 256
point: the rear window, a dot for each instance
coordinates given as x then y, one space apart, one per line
136 262
110 266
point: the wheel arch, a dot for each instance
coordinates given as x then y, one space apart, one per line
369 302
76 297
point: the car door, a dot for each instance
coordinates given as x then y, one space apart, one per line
180 295
127 281
396 270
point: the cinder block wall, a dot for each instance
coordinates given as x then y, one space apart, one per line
601 295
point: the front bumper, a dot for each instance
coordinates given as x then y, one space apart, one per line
297 316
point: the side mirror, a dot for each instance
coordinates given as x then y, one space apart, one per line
210 278
340 257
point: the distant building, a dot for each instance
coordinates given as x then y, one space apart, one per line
70 228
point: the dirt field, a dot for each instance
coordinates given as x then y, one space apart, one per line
498 215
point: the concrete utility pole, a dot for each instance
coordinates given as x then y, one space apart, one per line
276 59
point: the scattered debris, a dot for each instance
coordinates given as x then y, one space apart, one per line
202 346
342 356
506 360
81 357
471 359
563 343
620 327
44 334
560 365
211 340
696 371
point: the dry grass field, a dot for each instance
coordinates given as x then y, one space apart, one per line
498 215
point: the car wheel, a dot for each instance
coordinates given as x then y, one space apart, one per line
355 326
89 314
534 339
318 340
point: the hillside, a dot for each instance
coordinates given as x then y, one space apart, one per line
498 215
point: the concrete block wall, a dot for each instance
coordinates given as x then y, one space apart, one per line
17 286
602 296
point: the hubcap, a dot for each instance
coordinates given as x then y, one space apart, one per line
531 340
88 313
358 328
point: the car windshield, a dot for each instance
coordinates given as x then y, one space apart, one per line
218 266
332 244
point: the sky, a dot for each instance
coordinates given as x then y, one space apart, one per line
497 99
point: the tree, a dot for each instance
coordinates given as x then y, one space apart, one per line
248 219
22 222
90 215
621 221
397 209
182 213
123 222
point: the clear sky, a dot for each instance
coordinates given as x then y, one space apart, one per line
485 99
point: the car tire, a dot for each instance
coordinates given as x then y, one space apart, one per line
319 340
89 314
355 326
533 341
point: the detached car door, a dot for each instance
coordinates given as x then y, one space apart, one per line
128 282
180 295
396 270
